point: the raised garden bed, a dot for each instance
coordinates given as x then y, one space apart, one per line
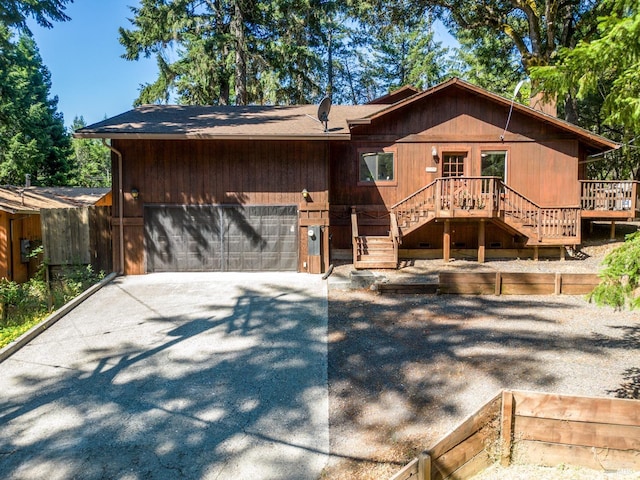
536 429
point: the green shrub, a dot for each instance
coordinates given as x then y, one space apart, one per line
24 305
620 280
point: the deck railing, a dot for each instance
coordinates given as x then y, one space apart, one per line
468 193
489 197
609 195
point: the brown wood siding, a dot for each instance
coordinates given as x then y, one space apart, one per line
542 160
24 227
208 172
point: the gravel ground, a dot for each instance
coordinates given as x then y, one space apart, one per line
406 369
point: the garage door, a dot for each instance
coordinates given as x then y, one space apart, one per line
190 238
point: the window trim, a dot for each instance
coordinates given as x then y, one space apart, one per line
376 149
496 148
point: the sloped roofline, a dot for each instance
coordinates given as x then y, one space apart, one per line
586 136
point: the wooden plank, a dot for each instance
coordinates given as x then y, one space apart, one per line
454 459
515 278
409 471
552 454
557 284
498 284
408 288
577 289
469 289
580 279
476 465
506 429
484 415
586 434
616 411
523 289
485 278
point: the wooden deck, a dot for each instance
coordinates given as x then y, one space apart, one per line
489 198
609 200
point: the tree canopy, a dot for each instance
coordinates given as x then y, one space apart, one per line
33 139
602 72
14 13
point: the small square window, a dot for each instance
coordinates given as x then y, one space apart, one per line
377 167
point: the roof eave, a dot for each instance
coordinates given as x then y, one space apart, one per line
195 136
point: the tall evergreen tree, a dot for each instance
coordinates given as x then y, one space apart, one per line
602 73
14 13
229 51
403 52
33 139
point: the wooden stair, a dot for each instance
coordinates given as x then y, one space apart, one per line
375 252
372 251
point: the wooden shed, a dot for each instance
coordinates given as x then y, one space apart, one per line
245 188
20 226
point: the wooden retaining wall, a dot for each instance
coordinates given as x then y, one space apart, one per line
546 429
536 428
500 283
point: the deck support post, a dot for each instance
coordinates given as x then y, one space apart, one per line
536 253
481 241
563 252
612 233
446 241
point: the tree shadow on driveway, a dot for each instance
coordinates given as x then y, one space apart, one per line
406 369
231 385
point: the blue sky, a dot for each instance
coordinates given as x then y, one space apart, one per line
88 73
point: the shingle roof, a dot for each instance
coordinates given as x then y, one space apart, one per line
31 199
181 121
291 122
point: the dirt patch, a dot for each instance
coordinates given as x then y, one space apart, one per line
404 370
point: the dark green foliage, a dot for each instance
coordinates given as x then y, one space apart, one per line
33 139
92 158
601 71
620 285
402 52
14 13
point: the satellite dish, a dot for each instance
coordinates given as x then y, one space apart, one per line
323 111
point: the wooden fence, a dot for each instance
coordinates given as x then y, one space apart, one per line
536 428
77 236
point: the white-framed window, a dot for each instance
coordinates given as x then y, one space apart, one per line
494 164
376 167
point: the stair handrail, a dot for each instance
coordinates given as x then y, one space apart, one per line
354 232
536 212
394 233
414 194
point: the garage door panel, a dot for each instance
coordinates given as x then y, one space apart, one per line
220 237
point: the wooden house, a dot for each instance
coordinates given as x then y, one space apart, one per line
453 168
20 225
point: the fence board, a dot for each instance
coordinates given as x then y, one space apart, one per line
553 454
616 411
409 471
72 236
486 414
463 453
585 434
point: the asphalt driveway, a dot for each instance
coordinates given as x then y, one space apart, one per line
191 376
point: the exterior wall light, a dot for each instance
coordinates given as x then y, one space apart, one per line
305 194
434 154
135 193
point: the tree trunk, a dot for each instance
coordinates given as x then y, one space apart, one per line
237 30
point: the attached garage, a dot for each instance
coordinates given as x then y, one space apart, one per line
191 238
